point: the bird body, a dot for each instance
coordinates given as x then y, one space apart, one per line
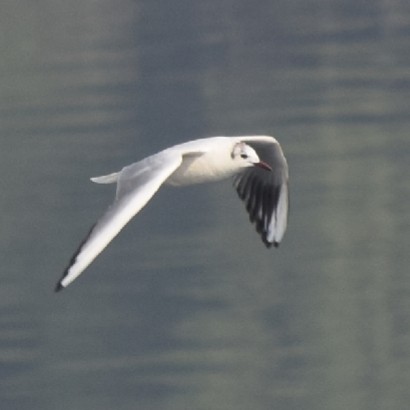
260 176
204 160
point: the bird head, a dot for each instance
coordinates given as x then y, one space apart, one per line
245 156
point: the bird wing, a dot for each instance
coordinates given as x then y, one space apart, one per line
266 193
136 185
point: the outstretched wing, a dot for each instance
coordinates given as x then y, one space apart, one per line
266 193
136 185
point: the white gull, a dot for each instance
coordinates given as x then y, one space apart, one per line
256 163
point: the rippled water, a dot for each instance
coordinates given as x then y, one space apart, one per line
186 309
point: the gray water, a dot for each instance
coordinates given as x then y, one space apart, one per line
186 309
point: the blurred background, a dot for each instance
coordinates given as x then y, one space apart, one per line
186 309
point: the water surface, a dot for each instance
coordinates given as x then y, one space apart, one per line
186 309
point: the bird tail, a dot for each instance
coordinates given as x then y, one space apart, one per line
106 179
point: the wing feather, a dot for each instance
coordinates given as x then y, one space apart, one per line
265 194
137 184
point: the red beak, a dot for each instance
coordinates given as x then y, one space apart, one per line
263 165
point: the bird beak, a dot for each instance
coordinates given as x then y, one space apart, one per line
263 165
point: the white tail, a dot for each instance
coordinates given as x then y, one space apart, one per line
106 179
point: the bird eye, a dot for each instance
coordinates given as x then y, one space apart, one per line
244 156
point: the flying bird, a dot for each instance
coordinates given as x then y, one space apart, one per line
256 163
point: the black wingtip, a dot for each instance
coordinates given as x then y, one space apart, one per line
58 287
268 244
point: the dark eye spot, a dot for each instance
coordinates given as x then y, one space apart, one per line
244 156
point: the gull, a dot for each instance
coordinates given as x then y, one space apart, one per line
256 163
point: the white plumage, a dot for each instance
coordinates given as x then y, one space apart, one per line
257 164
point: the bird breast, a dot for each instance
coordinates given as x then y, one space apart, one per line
198 168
